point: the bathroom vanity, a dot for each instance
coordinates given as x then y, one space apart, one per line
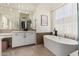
21 38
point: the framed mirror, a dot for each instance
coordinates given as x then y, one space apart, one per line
44 20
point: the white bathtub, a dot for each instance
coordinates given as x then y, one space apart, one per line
60 46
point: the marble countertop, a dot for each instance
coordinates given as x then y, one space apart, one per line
5 34
22 31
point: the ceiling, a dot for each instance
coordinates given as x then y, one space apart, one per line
30 7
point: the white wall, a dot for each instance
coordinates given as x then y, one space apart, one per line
64 19
37 20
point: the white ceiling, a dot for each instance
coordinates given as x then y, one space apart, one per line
30 7
50 6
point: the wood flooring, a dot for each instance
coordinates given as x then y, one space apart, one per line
32 50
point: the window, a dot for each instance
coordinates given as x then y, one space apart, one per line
65 19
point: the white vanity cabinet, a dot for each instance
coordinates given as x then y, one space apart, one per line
21 38
30 38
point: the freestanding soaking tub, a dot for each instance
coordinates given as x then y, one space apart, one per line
60 46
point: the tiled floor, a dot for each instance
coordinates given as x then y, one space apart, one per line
33 50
